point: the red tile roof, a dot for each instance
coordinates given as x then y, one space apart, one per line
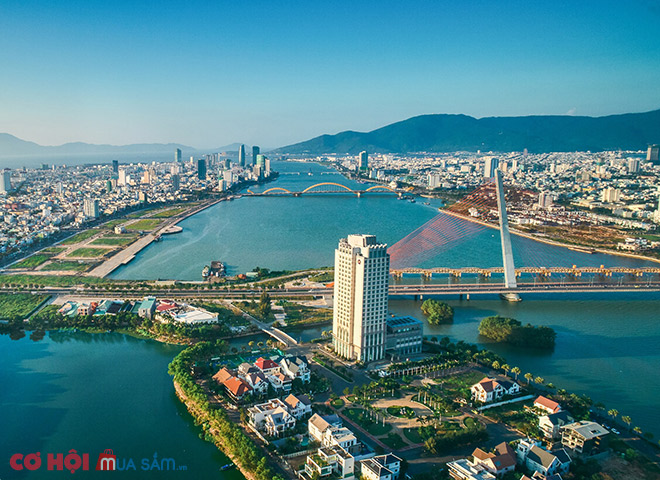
547 404
265 364
236 386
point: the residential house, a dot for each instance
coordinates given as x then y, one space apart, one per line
381 467
498 463
585 438
318 425
540 476
267 366
547 463
279 381
462 469
273 417
493 389
257 381
296 367
328 461
236 388
223 375
551 425
547 405
299 406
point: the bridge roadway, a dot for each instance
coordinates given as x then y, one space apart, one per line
541 271
395 290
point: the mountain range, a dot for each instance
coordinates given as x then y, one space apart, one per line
451 133
14 146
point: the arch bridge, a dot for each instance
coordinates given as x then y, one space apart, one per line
326 188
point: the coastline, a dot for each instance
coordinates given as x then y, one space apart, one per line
200 417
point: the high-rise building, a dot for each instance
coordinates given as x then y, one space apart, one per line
610 195
175 182
545 200
364 160
201 169
490 166
362 272
633 165
652 153
122 178
177 155
91 208
434 180
255 152
261 161
241 156
5 182
115 167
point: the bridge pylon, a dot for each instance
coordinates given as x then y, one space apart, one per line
505 237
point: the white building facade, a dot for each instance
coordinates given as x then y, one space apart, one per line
362 268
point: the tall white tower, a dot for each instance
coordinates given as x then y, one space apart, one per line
362 272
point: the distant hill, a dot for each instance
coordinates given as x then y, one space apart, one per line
11 146
450 133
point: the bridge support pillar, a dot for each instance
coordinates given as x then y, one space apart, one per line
359 194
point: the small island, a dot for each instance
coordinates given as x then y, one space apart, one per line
510 330
437 312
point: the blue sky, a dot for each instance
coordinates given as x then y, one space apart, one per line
272 73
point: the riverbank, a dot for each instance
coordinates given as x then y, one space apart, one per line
554 243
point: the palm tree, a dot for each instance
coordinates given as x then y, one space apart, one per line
539 380
627 420
506 369
637 430
515 371
613 412
529 377
496 365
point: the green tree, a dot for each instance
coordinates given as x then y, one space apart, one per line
627 420
529 377
496 365
516 371
539 380
437 312
506 368
613 412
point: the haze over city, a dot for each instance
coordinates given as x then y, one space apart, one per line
209 75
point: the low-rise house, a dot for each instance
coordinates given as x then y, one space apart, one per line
223 375
540 476
381 467
462 469
237 388
551 425
547 405
296 367
279 381
547 463
328 461
147 307
257 381
318 425
267 366
498 463
299 406
493 389
585 438
278 422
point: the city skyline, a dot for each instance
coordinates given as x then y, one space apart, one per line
131 74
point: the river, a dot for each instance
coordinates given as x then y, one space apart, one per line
92 392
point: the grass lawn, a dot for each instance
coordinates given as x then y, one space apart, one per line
88 252
144 225
413 435
31 262
68 266
114 240
401 412
337 403
224 314
79 237
19 305
169 213
469 422
393 441
56 280
361 417
113 223
323 277
53 250
297 314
